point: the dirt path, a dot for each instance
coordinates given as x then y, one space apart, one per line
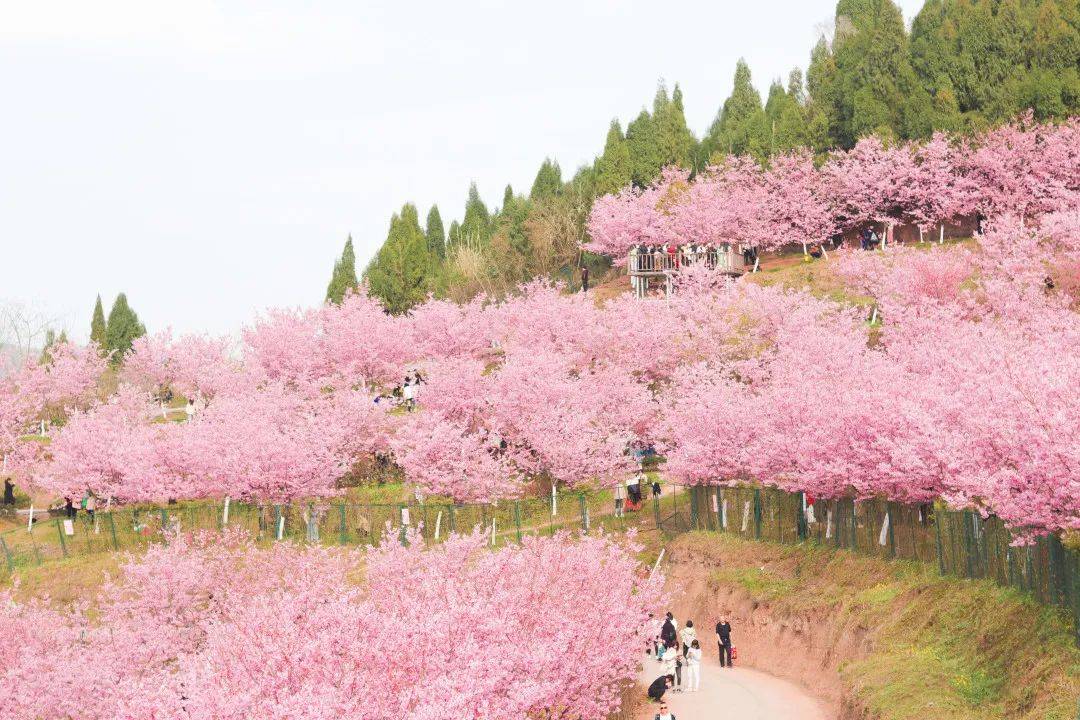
739 694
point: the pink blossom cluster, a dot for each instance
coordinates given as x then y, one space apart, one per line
1022 168
33 391
962 387
216 628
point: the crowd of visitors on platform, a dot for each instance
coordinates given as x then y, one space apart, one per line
668 256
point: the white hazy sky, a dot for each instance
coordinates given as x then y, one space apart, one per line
209 158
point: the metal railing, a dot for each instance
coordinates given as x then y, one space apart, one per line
725 257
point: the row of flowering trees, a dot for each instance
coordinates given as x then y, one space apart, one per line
217 628
1023 169
966 390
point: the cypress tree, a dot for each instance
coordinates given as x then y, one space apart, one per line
614 170
873 72
122 328
436 238
97 325
398 272
741 126
453 237
645 160
343 278
548 182
476 226
674 139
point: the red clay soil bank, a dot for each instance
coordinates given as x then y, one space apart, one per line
805 650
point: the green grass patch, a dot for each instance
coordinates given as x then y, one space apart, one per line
934 647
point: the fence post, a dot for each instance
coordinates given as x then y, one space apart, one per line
1075 589
517 519
757 513
7 554
60 534
693 506
404 536
584 517
279 527
854 529
343 528
892 537
940 550
967 535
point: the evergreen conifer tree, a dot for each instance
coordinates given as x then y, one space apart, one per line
122 328
741 126
97 325
343 278
674 139
453 236
398 272
645 160
613 169
476 225
433 231
548 182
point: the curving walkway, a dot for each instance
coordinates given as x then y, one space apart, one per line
740 693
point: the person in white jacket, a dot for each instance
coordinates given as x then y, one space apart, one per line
688 635
693 667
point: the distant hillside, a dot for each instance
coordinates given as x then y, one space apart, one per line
964 65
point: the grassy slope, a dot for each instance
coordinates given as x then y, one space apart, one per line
941 647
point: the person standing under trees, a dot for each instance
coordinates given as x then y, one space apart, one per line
667 632
620 499
584 279
723 641
693 666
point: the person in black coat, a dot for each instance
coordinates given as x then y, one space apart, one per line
667 633
659 686
723 641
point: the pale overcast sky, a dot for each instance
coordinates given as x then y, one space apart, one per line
209 158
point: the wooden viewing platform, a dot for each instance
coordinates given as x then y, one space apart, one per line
648 269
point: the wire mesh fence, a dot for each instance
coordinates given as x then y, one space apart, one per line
959 543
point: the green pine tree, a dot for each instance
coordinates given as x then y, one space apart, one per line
741 127
645 159
873 71
398 273
674 140
122 329
548 182
476 226
436 237
614 170
453 236
97 325
343 278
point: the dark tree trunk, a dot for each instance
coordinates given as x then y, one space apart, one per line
9 493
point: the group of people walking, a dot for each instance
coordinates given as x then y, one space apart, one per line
629 496
679 654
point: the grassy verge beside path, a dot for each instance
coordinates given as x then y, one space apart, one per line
928 646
